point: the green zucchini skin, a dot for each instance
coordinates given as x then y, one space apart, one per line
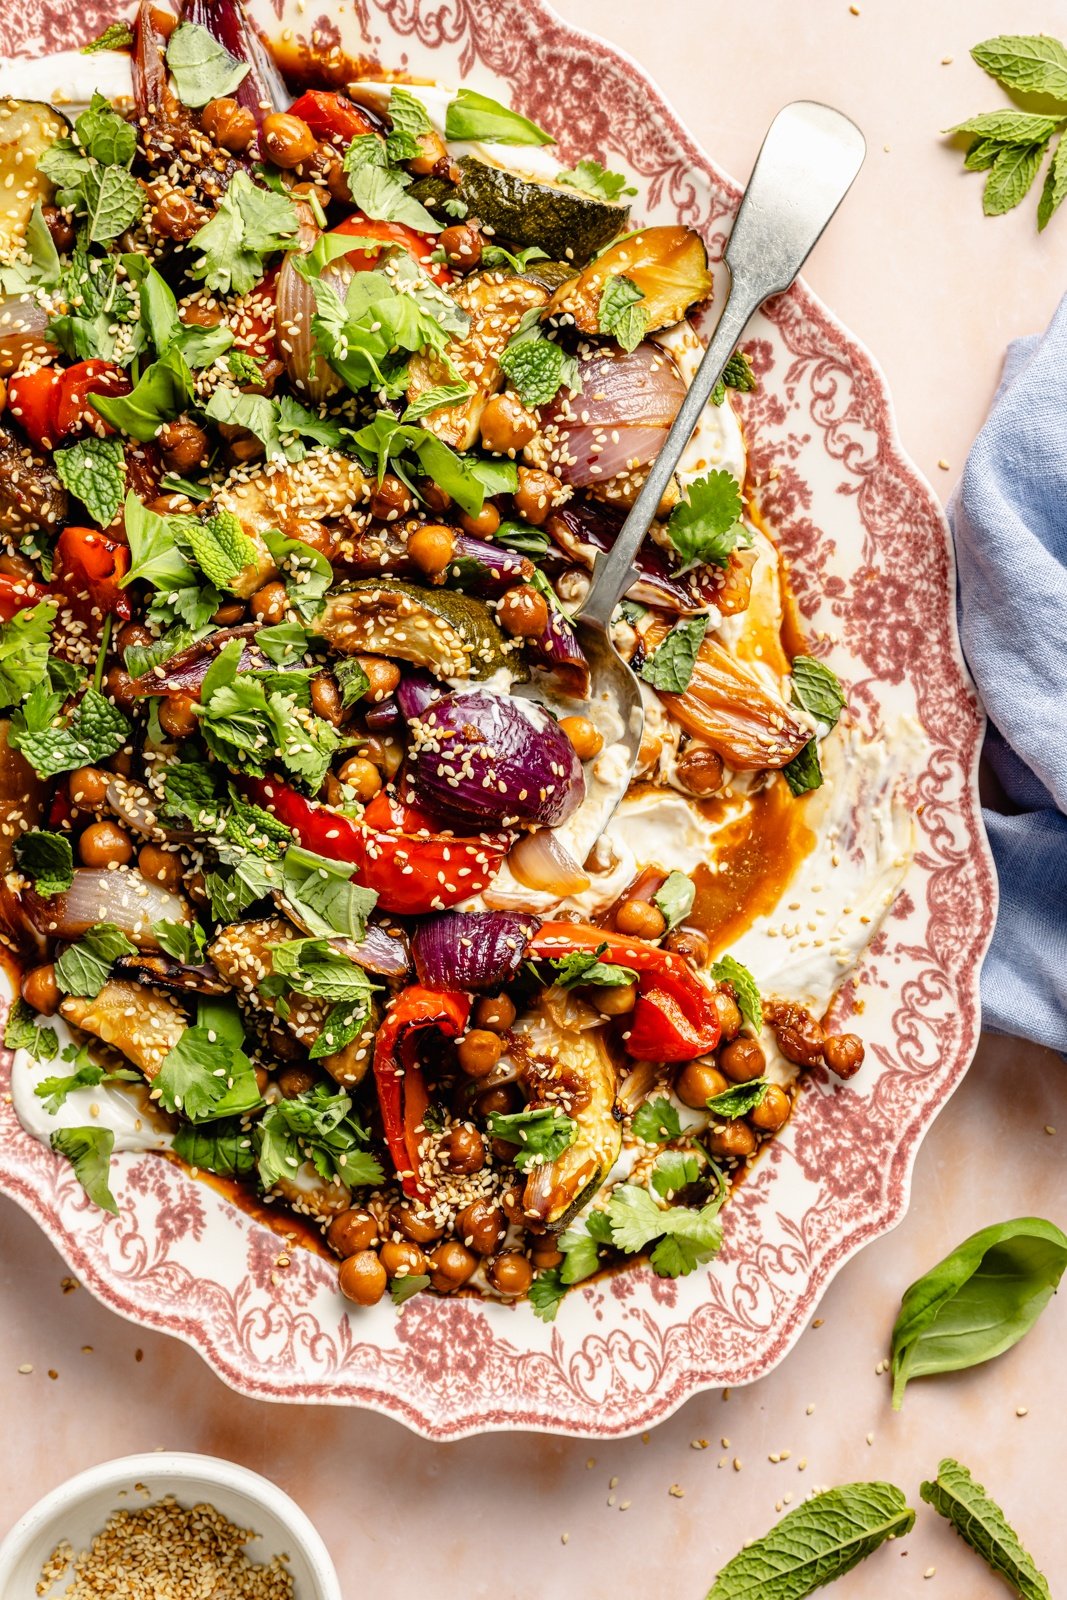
566 223
451 634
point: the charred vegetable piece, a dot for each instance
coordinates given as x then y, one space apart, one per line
668 265
294 499
566 223
142 1023
32 499
22 797
451 634
27 128
496 303
741 719
167 973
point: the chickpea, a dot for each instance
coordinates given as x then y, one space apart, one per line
510 1273
742 1060
843 1054
184 444
800 1037
231 126
382 676
40 990
432 152
228 615
544 1252
431 548
462 246
87 786
262 1077
495 1012
160 866
729 1014
337 181
351 1232
60 227
118 684
402 1259
242 445
415 1224
481 1227
732 1139
391 499
482 526
523 612
463 1150
697 1083
511 1203
640 919
451 1264
362 1278
499 1101
699 770
176 215
585 738
105 844
177 715
436 498
691 944
134 633
614 999
362 776
536 495
286 139
122 763
293 1081
506 426
326 697
478 1052
269 604
773 1110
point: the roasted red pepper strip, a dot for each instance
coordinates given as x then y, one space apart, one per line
31 400
19 594
401 1086
332 116
411 867
87 568
420 246
77 386
674 1019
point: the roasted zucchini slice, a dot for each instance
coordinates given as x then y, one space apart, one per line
27 128
144 1024
451 634
567 223
668 265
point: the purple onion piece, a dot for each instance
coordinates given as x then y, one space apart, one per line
185 672
416 690
385 714
594 525
471 949
380 950
487 568
490 760
558 650
262 89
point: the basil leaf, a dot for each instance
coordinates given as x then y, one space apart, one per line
817 1542
476 116
47 859
89 1152
675 898
445 395
739 1099
94 470
160 394
978 1301
223 1147
202 68
184 941
351 680
671 666
249 223
817 690
85 966
981 1523
24 651
727 970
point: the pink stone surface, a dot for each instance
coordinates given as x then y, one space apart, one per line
935 289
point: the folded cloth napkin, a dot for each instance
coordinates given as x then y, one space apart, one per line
1009 517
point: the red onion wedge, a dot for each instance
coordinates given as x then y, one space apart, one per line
294 306
489 759
539 861
620 419
184 672
471 949
101 894
262 89
416 690
584 527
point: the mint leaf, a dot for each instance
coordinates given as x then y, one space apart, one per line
189 793
671 666
706 526
675 898
1027 63
537 369
184 941
345 1021
315 967
115 203
804 772
542 1135
22 1033
476 116
202 68
620 313
1011 177
323 895
591 178
379 189
94 730
220 547
89 1152
94 470
1024 128
104 135
656 1122
316 1126
981 1523
408 114
249 224
739 1099
1055 185
746 990
85 966
24 651
817 690
737 374
47 860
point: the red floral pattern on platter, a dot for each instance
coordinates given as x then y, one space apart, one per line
872 567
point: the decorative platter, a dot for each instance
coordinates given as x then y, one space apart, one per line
872 573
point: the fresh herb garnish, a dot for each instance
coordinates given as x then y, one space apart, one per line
321 891
94 470
89 1152
657 1122
591 178
317 968
86 1075
476 116
202 68
85 966
817 690
686 1238
981 1523
318 1127
116 36
94 730
224 1147
674 898
379 188
542 1135
206 1076
746 990
21 1032
737 374
536 366
804 772
24 645
673 1171
620 313
671 665
739 1099
186 942
1010 144
46 859
706 527
586 967
248 225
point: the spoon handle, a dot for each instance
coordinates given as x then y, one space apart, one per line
806 166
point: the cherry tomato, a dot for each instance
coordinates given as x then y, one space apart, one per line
73 411
31 401
419 246
88 567
333 116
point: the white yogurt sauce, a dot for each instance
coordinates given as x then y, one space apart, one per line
68 79
124 1108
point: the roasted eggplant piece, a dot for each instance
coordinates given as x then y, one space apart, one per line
668 265
22 797
144 1024
27 128
567 223
32 499
451 634
295 499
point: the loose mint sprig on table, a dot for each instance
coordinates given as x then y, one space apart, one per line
1011 144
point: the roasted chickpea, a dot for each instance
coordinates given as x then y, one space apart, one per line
269 604
481 1227
742 1060
391 499
177 715
506 426
351 1232
843 1053
414 1223
463 1150
402 1259
484 525
536 495
228 615
134 633
118 684
451 1264
382 676
729 1014
512 1206
800 1036
510 1273
585 738
462 246
495 1012
640 919
184 444
362 1278
176 215
544 1252
242 445
478 1052
40 990
697 1083
296 1080
732 1139
523 612
614 999
326 697
362 776
337 181
87 786
160 866
231 126
773 1110
262 1077
105 844
122 763
286 139
432 153
434 496
499 1101
431 548
60 227
690 943
699 770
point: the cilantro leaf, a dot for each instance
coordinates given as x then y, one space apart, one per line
476 116
89 1152
202 68
47 859
737 374
727 970
323 894
804 772
670 667
116 36
249 224
739 1099
706 525
541 1135
620 313
581 1258
94 730
674 1170
586 967
591 178
101 315
817 690
24 651
401 1289
657 1122
94 470
686 1237
545 1294
87 1075
675 898
316 1126
223 1147
21 1032
204 1077
85 966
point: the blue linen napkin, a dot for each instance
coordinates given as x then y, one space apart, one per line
1009 517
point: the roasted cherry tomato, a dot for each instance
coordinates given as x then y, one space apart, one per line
420 246
31 400
78 384
87 568
333 116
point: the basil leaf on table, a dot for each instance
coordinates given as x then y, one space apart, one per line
978 1301
981 1523
821 1540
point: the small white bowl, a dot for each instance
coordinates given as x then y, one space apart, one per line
79 1508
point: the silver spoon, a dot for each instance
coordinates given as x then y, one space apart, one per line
806 166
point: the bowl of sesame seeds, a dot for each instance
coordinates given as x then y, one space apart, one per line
166 1527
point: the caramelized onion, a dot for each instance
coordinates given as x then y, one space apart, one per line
620 419
102 894
539 861
294 308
